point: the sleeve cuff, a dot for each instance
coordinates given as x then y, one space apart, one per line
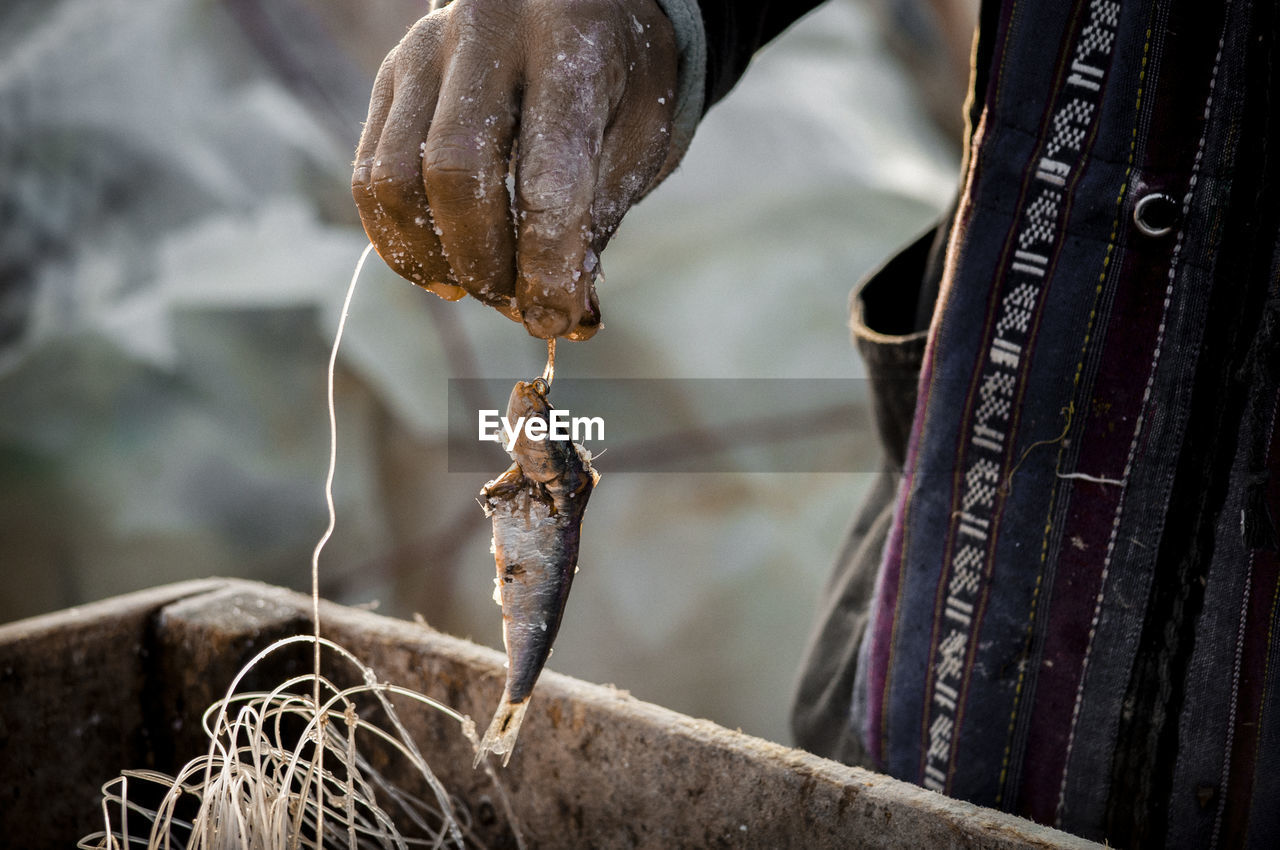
691 75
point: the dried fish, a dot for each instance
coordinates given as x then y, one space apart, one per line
537 508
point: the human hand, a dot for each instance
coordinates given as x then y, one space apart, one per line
571 99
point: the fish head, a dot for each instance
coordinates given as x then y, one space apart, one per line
540 460
529 400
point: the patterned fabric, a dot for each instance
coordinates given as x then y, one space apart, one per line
1074 613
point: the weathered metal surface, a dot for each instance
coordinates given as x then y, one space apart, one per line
594 767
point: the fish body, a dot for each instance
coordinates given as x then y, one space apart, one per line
536 507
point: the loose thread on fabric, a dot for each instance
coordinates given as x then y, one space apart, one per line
1096 479
1068 411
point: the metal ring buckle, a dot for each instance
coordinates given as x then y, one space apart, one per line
1142 214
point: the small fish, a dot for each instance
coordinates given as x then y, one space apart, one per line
537 508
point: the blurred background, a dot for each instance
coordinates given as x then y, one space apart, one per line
176 236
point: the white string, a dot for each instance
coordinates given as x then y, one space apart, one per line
333 463
324 538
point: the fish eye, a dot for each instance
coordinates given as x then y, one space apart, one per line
540 386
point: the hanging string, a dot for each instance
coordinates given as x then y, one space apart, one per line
549 371
333 463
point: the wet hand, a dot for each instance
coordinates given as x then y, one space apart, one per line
570 100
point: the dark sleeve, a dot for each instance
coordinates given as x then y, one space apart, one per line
736 30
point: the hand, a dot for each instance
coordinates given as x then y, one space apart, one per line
573 99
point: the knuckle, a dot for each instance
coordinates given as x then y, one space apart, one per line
394 185
425 34
484 17
554 187
451 171
360 185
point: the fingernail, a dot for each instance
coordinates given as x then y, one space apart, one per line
545 322
447 291
584 332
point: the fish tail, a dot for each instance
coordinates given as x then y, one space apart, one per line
501 735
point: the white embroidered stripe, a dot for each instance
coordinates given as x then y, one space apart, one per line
1035 244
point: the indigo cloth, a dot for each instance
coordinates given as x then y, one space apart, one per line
1062 599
